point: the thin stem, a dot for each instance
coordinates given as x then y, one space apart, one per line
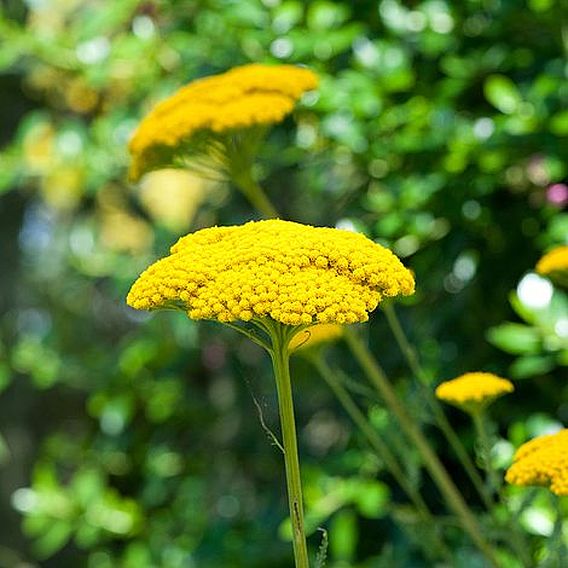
240 154
381 448
514 537
254 338
480 423
280 360
519 541
436 469
558 555
414 364
440 476
254 193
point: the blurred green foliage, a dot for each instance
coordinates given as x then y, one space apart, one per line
132 440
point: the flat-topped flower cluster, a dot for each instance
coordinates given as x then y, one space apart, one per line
554 260
293 273
250 95
542 461
473 388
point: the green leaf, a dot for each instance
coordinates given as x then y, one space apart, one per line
87 486
323 15
531 366
371 498
287 16
530 315
5 376
502 93
344 535
559 123
562 358
54 539
515 338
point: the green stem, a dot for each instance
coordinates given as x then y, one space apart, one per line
493 480
441 420
259 200
437 471
280 360
515 538
382 449
558 553
370 433
254 193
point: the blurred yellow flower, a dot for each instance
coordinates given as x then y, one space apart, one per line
120 230
543 462
315 335
472 391
39 147
555 264
80 97
62 186
172 197
293 273
211 116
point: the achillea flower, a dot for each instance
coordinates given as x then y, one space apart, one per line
292 273
542 461
172 197
209 117
473 391
554 264
315 336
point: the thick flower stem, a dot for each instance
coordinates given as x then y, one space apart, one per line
440 476
381 448
245 181
280 361
441 420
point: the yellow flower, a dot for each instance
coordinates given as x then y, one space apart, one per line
554 264
209 116
173 197
315 336
293 273
556 259
542 461
473 391
119 229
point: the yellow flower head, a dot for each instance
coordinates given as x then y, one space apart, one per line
542 461
199 118
554 264
473 391
556 259
315 336
293 273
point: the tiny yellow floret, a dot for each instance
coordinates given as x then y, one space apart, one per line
542 462
273 269
253 95
555 260
473 390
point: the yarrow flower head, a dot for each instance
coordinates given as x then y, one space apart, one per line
554 264
291 273
473 391
542 462
215 116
